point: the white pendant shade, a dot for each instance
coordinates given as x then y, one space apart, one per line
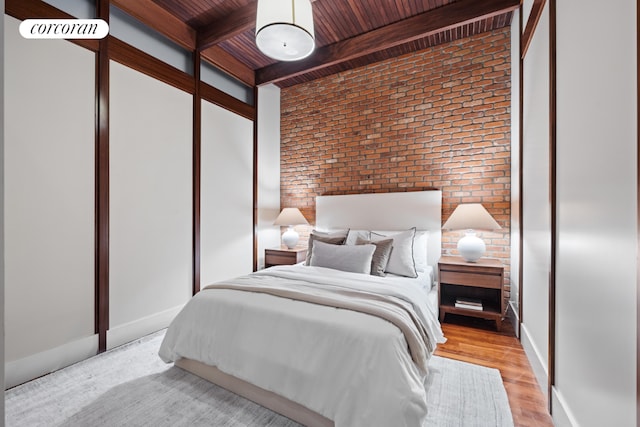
284 29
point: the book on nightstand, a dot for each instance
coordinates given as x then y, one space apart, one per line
469 303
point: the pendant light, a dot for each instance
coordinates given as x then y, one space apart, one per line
284 29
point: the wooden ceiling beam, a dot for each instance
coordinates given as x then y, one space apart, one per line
229 64
450 16
158 18
532 23
237 22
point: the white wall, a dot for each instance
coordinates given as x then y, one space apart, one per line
268 169
515 171
527 5
226 195
2 381
49 204
150 223
536 202
597 214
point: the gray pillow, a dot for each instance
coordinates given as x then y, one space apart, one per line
354 259
380 256
335 233
323 237
354 235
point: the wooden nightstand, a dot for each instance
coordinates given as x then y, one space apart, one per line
284 256
480 281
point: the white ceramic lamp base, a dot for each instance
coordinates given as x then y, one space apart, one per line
290 238
471 247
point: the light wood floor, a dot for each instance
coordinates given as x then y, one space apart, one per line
476 341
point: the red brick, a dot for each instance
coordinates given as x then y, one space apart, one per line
435 118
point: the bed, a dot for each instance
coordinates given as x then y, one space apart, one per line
321 343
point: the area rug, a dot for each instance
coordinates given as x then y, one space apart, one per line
131 386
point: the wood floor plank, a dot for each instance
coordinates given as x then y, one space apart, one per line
477 341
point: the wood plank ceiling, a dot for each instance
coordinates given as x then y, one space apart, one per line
349 33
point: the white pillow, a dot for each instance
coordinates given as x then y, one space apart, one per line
352 258
420 245
401 259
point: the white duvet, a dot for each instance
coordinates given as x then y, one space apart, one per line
352 368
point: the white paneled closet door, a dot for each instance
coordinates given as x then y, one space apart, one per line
536 205
226 214
150 174
49 140
597 232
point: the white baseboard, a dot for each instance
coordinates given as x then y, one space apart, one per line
537 361
512 315
562 416
34 366
128 332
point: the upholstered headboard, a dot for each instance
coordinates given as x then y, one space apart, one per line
385 211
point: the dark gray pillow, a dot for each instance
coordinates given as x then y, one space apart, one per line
380 256
333 240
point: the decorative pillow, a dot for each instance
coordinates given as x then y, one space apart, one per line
334 233
355 259
420 243
380 256
332 238
354 235
401 259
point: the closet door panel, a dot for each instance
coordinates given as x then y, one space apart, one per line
226 194
536 199
150 177
49 193
597 186
49 140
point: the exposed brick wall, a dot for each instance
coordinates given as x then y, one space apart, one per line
436 118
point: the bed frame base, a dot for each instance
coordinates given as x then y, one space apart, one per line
266 398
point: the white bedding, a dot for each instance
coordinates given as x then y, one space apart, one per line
350 367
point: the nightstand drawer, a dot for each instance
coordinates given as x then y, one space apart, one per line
284 256
475 279
279 259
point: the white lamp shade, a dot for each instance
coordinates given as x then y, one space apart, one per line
471 216
290 216
284 29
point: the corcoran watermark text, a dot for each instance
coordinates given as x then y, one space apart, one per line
64 28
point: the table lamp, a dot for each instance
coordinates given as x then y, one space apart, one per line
290 217
470 217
